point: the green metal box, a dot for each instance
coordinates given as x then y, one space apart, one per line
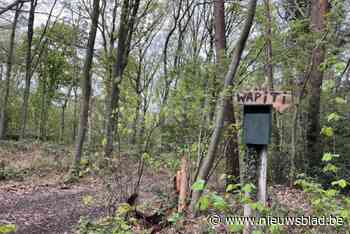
257 124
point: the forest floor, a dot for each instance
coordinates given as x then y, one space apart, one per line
34 198
46 208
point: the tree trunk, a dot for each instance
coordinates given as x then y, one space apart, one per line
4 111
11 6
268 50
292 171
314 146
136 120
223 103
43 107
63 112
24 114
269 80
86 87
127 21
75 115
183 188
231 152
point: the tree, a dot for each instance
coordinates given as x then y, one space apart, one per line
231 150
12 5
4 110
223 102
86 87
24 114
126 30
313 138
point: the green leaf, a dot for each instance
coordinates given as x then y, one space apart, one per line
347 201
345 213
330 168
327 131
257 232
275 229
341 183
246 200
84 162
248 188
236 228
339 67
258 206
340 100
203 203
174 218
88 200
198 185
331 192
328 84
231 187
124 226
123 209
327 157
7 228
323 66
219 202
333 117
316 202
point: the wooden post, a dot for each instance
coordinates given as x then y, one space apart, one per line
262 192
250 177
257 127
247 212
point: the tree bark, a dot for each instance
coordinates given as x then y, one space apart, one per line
231 151
86 87
224 102
268 50
75 110
127 22
269 81
43 107
30 32
313 138
183 188
9 62
63 112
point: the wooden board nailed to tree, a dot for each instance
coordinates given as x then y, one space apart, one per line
280 100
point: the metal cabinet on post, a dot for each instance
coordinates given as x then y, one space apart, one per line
257 124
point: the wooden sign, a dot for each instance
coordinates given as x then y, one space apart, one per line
280 100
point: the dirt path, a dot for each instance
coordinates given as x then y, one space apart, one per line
46 208
37 203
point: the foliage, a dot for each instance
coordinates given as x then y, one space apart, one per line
11 173
328 201
7 228
116 225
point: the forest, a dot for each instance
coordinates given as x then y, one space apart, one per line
175 116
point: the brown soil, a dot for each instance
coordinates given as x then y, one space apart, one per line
40 203
46 208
